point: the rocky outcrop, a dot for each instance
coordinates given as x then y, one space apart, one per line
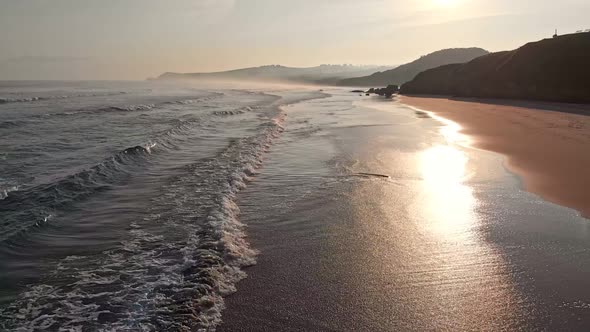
556 69
386 92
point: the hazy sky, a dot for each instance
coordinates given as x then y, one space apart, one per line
134 39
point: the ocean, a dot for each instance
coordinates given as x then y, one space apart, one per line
151 206
119 201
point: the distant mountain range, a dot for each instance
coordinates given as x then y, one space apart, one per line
556 69
343 75
324 74
407 72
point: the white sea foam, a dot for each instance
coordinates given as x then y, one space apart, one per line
160 280
238 111
4 191
5 100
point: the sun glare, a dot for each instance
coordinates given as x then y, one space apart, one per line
443 166
448 202
446 3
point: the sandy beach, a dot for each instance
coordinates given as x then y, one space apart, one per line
547 144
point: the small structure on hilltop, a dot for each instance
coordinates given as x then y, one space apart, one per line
555 35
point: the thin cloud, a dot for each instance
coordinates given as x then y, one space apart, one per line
46 59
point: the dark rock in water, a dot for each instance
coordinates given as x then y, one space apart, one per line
556 69
136 150
357 91
422 115
386 92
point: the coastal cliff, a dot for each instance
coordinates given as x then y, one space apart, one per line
556 69
407 72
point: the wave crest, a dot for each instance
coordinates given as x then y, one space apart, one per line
7 100
26 208
160 281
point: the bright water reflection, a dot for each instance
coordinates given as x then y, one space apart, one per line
457 261
450 203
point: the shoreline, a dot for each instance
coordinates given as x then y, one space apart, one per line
412 252
546 144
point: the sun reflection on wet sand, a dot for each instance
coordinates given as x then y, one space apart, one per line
451 131
416 246
443 166
463 264
450 203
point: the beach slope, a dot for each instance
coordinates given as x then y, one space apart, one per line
547 144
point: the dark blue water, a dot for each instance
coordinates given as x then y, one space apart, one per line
118 201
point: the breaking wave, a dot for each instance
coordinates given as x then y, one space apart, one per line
7 100
30 207
175 266
4 191
109 109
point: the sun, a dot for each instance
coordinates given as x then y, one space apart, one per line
446 3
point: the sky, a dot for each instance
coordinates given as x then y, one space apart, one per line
136 39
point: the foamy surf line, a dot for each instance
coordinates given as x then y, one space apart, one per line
171 277
6 100
4 191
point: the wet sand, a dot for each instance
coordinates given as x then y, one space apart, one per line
547 144
448 243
